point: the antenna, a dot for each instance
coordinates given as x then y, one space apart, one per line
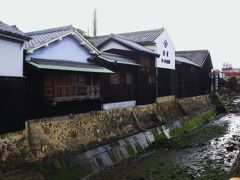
94 22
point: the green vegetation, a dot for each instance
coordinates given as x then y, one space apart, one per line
112 156
130 150
62 169
193 122
198 137
99 161
138 148
166 161
74 172
121 155
157 136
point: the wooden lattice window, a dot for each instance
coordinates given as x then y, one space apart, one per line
115 78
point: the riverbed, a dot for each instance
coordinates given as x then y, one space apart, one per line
207 152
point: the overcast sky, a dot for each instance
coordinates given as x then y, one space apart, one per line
191 24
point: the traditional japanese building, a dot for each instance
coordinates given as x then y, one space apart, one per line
60 79
134 81
159 42
193 73
12 81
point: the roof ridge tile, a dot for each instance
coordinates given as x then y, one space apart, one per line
12 31
50 30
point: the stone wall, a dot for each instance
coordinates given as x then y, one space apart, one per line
146 115
167 109
14 148
192 105
76 133
82 131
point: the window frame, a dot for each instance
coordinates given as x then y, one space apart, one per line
128 78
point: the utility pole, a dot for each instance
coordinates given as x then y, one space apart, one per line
94 22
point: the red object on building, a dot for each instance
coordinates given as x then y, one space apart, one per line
229 72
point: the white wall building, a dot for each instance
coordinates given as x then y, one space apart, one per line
156 40
12 83
11 51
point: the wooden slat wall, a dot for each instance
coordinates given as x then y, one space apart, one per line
62 79
12 104
166 82
146 91
122 91
187 81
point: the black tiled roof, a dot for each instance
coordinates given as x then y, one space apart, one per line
140 37
12 31
132 45
117 58
64 63
196 56
185 60
51 30
43 36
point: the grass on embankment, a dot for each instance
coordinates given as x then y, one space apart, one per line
193 122
61 169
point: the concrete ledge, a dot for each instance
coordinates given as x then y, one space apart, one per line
165 99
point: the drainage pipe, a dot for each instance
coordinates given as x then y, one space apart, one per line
136 119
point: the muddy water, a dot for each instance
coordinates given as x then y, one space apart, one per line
217 152
207 152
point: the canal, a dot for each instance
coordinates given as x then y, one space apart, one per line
207 152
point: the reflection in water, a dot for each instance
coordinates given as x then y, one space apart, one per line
226 147
218 152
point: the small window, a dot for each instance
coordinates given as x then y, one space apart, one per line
151 79
163 53
167 53
144 61
115 78
129 79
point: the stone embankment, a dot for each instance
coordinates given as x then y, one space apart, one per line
43 138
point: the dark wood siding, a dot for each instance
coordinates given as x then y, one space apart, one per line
120 86
37 104
145 75
187 80
166 82
205 77
12 104
146 80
